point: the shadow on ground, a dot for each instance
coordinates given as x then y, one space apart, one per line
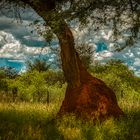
18 125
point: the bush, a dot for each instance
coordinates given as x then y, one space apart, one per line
118 77
34 86
85 52
53 77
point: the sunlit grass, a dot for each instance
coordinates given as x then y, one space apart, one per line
35 121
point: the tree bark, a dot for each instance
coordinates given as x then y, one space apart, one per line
86 96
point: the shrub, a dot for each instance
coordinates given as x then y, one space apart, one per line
34 86
39 65
118 77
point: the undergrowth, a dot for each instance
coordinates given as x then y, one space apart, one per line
37 120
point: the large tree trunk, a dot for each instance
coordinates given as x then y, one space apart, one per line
86 96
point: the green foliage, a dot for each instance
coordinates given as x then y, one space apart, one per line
3 81
122 15
54 77
2 74
8 72
48 35
49 86
37 121
34 120
27 121
3 85
38 64
31 86
35 86
118 77
85 52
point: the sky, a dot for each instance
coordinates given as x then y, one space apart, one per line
18 44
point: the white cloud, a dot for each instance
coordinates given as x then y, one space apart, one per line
12 48
137 62
28 37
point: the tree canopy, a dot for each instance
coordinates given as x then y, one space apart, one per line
119 14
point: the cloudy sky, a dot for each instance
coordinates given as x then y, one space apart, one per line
18 43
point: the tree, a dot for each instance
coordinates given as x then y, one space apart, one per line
86 95
8 72
37 64
85 52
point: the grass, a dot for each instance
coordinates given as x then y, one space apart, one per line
26 121
39 121
35 121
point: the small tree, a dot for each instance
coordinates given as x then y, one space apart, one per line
86 53
38 64
8 72
5 75
30 86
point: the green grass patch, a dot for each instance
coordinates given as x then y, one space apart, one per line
26 121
